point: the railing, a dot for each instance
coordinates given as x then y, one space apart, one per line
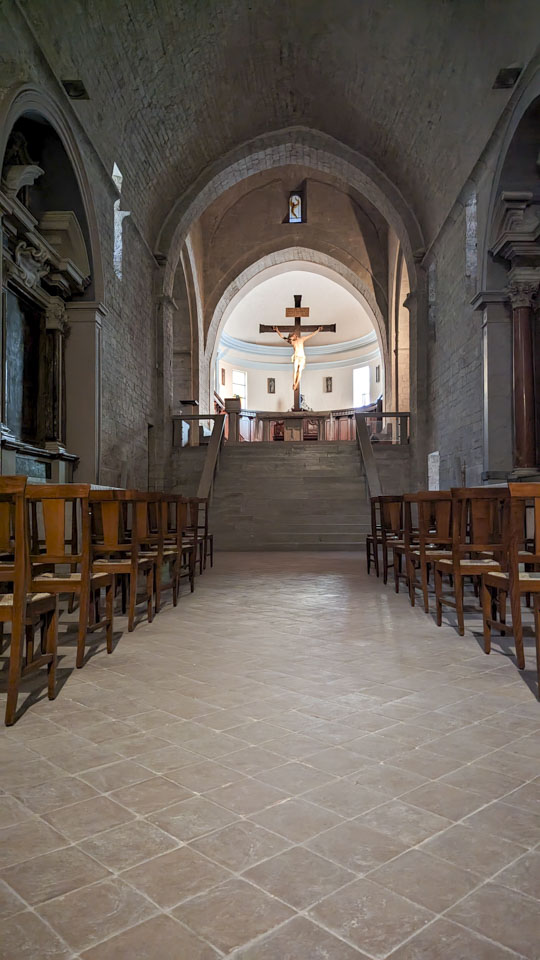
335 425
193 429
206 483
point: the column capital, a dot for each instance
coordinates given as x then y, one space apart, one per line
522 292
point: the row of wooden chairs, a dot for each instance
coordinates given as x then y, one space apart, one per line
488 536
84 543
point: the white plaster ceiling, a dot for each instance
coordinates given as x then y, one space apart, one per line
328 301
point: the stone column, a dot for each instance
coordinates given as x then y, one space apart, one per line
56 326
83 387
522 294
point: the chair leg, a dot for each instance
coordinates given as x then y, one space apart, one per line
150 593
123 587
424 573
376 558
517 627
368 557
14 675
51 647
397 571
486 614
211 549
411 577
502 605
84 613
437 576
109 615
537 641
201 552
385 564
132 600
174 578
157 585
459 585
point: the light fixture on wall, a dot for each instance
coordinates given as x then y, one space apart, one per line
75 89
507 78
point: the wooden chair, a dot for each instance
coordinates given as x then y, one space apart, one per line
173 514
53 507
477 544
391 513
197 534
373 539
116 547
25 610
522 548
433 537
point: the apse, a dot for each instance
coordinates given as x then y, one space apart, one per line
343 370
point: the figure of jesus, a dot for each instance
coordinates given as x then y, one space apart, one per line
299 356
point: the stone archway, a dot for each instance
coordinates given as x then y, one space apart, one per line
75 360
322 263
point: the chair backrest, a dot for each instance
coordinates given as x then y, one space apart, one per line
61 513
173 517
15 537
433 517
198 514
111 532
479 521
391 510
524 521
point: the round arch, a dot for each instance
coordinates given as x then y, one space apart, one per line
297 145
27 98
321 263
529 93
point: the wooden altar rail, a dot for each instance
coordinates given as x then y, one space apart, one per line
330 425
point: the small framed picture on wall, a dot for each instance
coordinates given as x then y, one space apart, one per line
223 377
327 384
377 374
271 385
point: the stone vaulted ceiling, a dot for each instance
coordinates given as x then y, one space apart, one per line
176 84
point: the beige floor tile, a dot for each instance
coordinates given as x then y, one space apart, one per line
77 761
204 776
488 784
128 845
443 940
10 903
503 915
512 764
11 811
213 745
450 802
87 916
161 936
473 849
295 777
17 776
426 764
53 874
523 875
344 797
296 819
240 845
295 746
136 746
389 781
403 821
25 937
300 939
167 758
192 818
28 839
175 876
116 775
252 760
356 846
338 761
526 797
431 882
232 914
247 796
373 919
503 820
55 793
150 795
88 817
299 877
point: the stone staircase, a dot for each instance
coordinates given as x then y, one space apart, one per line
290 496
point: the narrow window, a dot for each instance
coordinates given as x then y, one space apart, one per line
360 386
119 217
471 242
239 386
295 208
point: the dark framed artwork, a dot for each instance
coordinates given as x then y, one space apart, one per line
377 374
223 377
271 385
328 384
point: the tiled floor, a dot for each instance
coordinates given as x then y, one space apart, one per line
292 765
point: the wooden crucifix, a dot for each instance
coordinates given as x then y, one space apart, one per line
297 336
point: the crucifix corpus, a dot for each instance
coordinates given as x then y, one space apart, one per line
297 336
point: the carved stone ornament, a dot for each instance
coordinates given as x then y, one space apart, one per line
56 315
18 176
29 264
522 293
